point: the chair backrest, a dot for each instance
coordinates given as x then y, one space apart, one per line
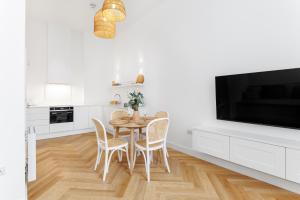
162 114
100 131
117 114
156 131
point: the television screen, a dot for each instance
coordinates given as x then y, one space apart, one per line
270 98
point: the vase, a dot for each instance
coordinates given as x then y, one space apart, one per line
136 116
140 79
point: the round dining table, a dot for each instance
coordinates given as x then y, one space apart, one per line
130 124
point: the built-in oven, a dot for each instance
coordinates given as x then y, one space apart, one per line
61 114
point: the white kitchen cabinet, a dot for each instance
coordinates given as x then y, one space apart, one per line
95 112
41 129
81 117
39 119
293 165
58 54
64 55
212 144
61 127
31 154
260 156
37 113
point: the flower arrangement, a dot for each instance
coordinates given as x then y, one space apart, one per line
136 99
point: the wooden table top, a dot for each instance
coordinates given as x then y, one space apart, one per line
129 123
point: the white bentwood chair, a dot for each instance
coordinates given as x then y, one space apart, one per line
160 114
156 139
124 133
108 146
119 114
163 114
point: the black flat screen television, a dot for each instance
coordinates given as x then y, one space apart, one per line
269 98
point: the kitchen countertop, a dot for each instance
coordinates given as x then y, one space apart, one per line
45 106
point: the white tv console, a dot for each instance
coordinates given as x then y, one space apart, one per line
271 155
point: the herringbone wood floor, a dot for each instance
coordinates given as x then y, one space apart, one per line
65 172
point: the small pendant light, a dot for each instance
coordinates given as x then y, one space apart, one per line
104 28
114 10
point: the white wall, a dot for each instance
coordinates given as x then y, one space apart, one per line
104 62
12 103
186 44
98 64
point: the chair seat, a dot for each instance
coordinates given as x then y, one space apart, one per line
142 145
116 142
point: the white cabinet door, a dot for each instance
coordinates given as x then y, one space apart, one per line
81 117
37 113
31 150
212 144
260 156
58 54
293 165
41 129
61 127
95 112
39 119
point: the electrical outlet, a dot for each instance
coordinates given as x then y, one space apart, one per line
2 171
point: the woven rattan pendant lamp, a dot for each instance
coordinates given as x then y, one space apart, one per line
114 10
104 28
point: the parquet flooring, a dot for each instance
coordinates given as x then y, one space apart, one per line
65 172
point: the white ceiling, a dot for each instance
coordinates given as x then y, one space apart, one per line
77 14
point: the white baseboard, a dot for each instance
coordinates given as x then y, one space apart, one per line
282 183
62 134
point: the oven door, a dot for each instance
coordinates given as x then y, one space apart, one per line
57 117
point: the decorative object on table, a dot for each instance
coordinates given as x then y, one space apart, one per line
102 27
136 99
140 79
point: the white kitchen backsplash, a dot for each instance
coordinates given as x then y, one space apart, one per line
58 94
